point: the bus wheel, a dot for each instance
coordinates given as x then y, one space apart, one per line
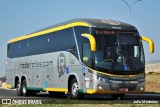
74 90
116 96
19 88
24 88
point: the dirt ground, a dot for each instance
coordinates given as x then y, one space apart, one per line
152 82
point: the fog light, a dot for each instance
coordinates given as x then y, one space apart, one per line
100 87
142 88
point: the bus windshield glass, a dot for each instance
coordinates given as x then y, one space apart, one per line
118 52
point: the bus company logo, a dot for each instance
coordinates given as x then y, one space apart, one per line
111 22
61 64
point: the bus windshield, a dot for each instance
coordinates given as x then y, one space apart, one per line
118 52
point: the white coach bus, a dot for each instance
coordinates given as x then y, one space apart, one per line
80 56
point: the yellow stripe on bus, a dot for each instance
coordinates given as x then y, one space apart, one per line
91 91
49 31
114 74
57 89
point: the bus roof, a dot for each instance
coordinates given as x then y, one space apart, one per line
98 23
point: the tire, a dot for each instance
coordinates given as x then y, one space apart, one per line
25 92
116 96
19 88
74 90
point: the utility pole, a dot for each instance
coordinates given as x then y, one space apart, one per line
130 6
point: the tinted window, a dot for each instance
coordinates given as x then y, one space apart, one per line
51 42
81 39
87 53
128 38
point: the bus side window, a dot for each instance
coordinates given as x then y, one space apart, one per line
86 53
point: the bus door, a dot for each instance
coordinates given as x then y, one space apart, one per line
87 60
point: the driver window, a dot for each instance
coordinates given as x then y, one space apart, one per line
110 49
109 53
86 53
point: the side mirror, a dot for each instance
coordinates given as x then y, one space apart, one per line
150 42
91 40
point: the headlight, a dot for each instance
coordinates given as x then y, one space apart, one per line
141 80
94 76
99 78
134 82
102 79
140 76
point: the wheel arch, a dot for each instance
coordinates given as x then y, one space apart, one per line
17 78
72 76
23 78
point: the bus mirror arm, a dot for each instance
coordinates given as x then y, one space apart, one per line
150 42
91 40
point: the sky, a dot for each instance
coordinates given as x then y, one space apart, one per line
21 17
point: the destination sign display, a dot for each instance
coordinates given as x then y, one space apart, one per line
104 32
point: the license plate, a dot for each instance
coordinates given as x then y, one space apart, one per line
123 89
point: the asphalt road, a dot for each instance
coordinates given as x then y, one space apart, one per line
87 99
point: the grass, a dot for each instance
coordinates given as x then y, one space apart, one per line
85 105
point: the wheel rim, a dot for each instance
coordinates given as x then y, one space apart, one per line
18 87
75 88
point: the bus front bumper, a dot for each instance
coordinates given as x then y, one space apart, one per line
112 88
